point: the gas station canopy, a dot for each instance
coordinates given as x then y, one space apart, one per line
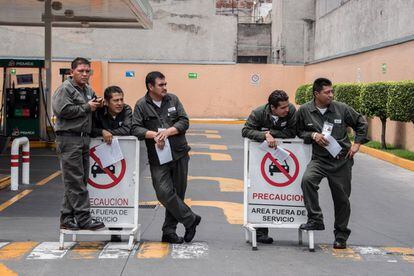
78 13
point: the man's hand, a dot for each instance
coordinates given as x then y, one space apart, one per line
107 136
353 150
100 101
164 134
150 134
270 140
320 139
160 144
94 104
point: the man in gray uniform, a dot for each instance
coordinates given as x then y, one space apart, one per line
73 103
114 119
159 118
317 120
276 119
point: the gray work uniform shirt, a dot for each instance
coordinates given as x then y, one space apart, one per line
71 108
148 116
342 116
119 125
260 121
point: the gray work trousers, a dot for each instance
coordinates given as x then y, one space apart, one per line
73 154
339 175
170 183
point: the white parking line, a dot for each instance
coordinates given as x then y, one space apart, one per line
3 244
116 251
195 250
49 251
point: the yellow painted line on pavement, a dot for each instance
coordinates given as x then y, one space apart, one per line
5 182
16 250
232 211
215 156
86 250
208 136
347 253
226 184
153 250
407 253
209 146
207 131
5 271
47 179
14 199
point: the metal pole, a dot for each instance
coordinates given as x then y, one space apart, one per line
48 58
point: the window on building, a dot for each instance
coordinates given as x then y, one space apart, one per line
252 59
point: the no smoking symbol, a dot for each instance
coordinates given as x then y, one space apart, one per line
279 174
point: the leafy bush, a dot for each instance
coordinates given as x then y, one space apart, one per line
303 94
349 93
400 105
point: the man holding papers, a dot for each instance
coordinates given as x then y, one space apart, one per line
114 119
324 123
160 119
276 119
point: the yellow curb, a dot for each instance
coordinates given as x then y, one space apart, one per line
401 162
217 121
5 182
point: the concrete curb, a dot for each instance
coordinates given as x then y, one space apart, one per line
401 162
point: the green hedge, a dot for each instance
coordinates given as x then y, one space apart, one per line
400 105
303 94
349 93
374 98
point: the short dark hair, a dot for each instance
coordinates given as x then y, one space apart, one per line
78 61
319 83
277 96
150 78
110 90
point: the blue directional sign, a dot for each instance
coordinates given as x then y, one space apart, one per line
130 74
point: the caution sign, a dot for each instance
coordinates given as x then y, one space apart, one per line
280 174
273 194
113 191
105 178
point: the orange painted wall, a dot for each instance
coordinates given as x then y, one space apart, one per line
220 91
367 67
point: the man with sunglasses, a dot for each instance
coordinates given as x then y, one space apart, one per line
317 120
73 103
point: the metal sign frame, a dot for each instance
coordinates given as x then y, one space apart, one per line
250 228
133 230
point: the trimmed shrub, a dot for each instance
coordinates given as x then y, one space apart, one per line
400 105
303 94
374 98
349 93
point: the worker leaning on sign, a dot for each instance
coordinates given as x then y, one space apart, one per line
159 118
276 119
114 119
73 103
317 120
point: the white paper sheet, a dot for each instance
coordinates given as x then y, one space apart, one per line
164 155
334 148
279 153
109 154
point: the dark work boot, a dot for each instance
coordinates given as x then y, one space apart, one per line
339 244
264 239
69 224
93 224
312 226
190 231
172 238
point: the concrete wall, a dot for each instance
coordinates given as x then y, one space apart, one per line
357 24
367 67
254 40
184 30
291 23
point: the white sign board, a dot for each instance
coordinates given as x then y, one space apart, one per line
273 194
113 191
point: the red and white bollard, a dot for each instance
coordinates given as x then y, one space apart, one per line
15 162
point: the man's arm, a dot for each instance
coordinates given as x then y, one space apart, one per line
125 128
301 128
137 128
179 127
252 128
360 126
64 107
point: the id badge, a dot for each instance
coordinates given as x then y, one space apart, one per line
327 128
